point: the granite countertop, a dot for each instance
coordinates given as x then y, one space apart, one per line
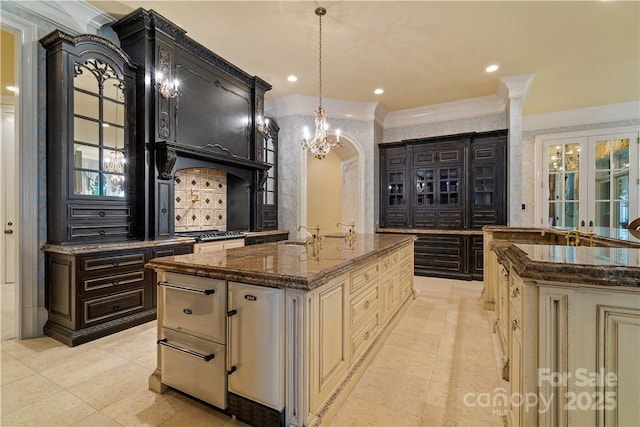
83 248
603 266
282 264
602 236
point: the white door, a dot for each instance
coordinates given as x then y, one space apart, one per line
591 182
8 218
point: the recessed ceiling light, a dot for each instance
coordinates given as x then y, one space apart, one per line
292 78
11 88
378 91
492 68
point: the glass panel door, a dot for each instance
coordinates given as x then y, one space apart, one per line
563 185
611 183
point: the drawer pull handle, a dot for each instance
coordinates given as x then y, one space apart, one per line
187 288
116 307
116 282
102 232
515 292
115 263
514 325
102 214
366 304
187 311
366 276
205 357
366 335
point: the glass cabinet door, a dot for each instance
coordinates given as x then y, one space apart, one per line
98 157
563 169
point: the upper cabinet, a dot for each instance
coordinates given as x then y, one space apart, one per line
449 182
90 137
268 197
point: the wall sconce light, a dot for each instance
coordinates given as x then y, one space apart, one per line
263 127
166 88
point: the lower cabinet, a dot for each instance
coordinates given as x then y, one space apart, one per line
89 295
266 238
452 256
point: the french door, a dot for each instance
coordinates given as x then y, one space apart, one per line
590 182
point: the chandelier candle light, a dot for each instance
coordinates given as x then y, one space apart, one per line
320 145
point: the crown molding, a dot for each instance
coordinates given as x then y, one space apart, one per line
74 16
583 116
472 107
515 86
336 108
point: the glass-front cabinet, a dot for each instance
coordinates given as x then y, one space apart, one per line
591 182
269 203
90 138
99 155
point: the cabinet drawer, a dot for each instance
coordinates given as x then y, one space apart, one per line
84 231
406 271
360 278
389 262
114 281
112 306
363 337
195 305
99 212
363 307
101 263
194 366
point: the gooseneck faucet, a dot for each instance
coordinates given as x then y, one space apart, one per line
315 236
352 229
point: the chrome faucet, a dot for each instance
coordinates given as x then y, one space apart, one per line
315 236
351 234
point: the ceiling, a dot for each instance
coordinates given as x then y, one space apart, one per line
422 52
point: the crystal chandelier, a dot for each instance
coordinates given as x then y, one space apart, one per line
114 165
320 145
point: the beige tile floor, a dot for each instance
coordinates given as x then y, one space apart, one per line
440 350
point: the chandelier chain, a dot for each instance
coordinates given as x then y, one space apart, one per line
320 60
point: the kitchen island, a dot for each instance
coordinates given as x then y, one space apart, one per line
282 331
567 319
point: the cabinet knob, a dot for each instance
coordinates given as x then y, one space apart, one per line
163 210
102 214
514 325
515 292
187 311
366 304
116 282
115 263
116 307
102 232
366 335
366 276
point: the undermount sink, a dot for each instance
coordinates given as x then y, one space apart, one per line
335 236
294 242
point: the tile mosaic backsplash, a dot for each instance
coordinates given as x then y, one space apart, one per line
201 199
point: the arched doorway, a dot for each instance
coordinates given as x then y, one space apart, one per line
334 190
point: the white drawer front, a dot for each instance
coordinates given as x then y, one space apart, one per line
191 373
195 305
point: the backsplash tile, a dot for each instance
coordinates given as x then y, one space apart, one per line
200 199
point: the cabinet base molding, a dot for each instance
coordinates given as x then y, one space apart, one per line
73 338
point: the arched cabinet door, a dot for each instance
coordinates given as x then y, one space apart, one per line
90 139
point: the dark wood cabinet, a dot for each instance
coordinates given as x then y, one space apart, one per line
266 238
268 196
89 295
394 188
446 183
90 134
